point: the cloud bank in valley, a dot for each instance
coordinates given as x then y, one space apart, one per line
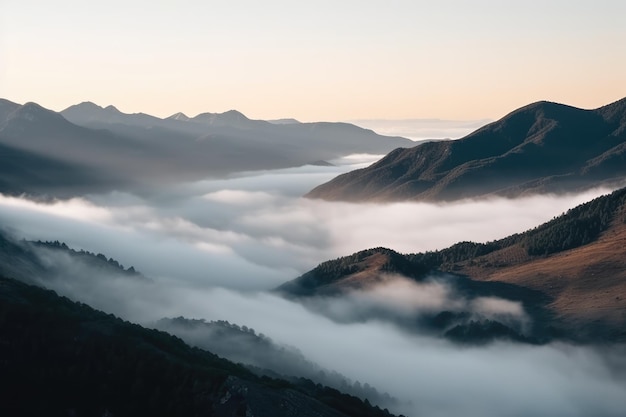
255 231
427 376
210 248
401 300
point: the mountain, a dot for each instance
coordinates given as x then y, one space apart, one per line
263 356
43 153
22 171
53 265
232 130
231 118
179 116
569 274
88 148
358 271
42 263
542 147
6 108
65 358
243 142
240 344
287 121
356 280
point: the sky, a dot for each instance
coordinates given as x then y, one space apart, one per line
322 60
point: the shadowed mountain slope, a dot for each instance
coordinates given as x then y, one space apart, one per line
43 153
39 262
55 265
65 358
542 147
569 273
263 356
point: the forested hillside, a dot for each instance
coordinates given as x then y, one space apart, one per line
576 259
59 358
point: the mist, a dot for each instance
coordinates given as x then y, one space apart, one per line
404 302
211 250
254 231
427 376
422 129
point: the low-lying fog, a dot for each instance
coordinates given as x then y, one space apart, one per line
255 232
212 248
422 129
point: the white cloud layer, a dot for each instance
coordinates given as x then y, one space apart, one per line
428 376
255 231
212 247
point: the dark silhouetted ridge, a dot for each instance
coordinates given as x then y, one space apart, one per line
60 358
542 147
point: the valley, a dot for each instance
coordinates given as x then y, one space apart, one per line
312 209
211 259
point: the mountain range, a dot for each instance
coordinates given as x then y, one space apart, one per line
539 148
562 281
88 148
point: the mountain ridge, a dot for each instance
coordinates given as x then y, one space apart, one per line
575 264
80 361
89 148
541 147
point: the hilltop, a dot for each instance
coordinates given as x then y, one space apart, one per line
569 273
539 148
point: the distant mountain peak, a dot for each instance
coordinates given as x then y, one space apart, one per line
287 121
32 105
358 271
230 117
233 112
179 116
87 104
83 107
89 112
34 112
112 108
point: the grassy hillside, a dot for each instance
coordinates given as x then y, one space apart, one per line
570 272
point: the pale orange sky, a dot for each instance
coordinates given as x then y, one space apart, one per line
322 60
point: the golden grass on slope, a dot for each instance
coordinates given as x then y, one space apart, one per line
369 274
587 283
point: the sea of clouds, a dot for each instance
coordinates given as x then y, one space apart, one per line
212 249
